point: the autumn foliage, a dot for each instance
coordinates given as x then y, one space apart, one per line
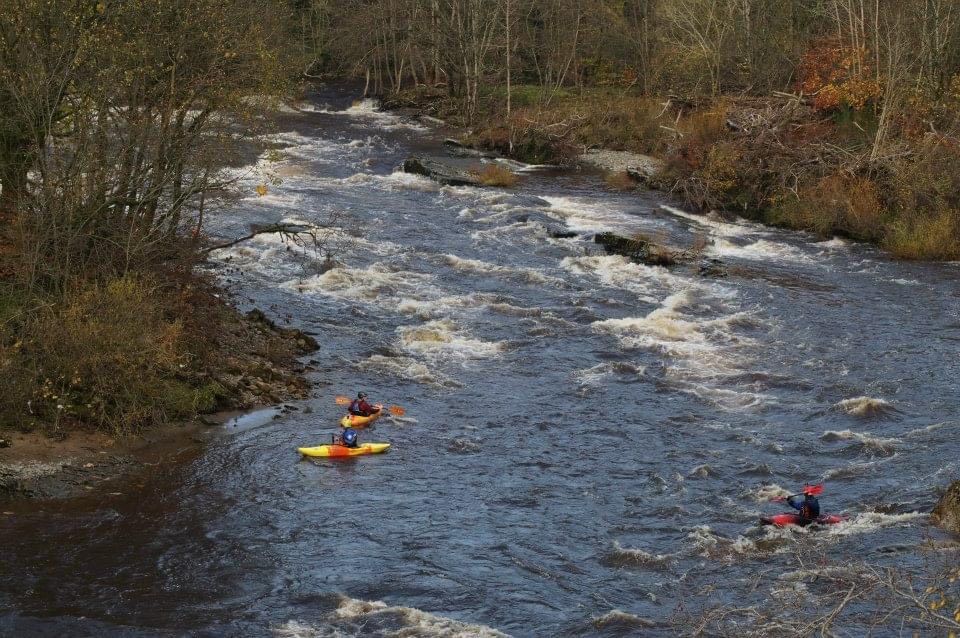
838 76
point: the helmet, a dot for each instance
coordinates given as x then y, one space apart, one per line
349 436
362 395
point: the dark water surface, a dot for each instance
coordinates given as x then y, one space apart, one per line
582 435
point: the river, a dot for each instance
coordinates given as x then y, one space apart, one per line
587 443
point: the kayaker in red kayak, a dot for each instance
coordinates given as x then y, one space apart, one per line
360 407
806 502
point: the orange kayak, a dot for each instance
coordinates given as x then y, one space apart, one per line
354 421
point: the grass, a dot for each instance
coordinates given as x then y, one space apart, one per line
621 181
926 238
496 175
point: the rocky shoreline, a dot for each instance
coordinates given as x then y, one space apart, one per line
261 366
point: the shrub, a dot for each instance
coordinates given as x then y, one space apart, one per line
496 175
108 356
621 181
925 237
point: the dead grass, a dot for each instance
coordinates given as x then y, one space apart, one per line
925 238
621 181
496 175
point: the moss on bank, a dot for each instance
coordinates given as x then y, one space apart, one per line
131 354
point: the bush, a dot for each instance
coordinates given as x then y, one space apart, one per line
496 175
933 237
621 181
108 356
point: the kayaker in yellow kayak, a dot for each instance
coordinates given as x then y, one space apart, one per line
360 407
347 438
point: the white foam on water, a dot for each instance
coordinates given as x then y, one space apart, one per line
620 556
396 181
596 375
377 282
836 242
854 469
689 329
271 253
766 493
867 522
353 617
433 308
907 282
706 543
704 342
528 275
865 406
443 338
369 110
502 308
508 232
586 215
760 250
619 618
617 271
409 369
718 228
416 622
297 629
721 397
833 571
886 445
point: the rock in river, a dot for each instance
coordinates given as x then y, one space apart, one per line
440 172
947 512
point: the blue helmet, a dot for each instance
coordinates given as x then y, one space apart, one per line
349 436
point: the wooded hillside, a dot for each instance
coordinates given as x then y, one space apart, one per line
837 116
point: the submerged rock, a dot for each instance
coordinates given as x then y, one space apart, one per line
639 249
440 172
947 512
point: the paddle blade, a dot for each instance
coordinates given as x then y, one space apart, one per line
396 410
813 490
342 400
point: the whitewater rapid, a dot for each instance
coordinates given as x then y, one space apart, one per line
587 442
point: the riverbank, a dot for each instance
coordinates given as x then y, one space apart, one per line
780 160
256 363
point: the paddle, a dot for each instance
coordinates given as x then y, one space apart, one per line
813 490
395 410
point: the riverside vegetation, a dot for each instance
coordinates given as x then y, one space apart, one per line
116 119
832 116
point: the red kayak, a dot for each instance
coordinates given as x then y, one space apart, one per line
787 518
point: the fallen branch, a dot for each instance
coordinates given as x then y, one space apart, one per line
292 232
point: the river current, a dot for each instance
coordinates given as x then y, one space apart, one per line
587 444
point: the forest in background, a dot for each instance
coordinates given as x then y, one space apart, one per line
834 116
117 118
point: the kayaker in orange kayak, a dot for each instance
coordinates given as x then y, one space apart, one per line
360 407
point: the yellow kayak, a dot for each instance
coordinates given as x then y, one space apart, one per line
342 450
354 421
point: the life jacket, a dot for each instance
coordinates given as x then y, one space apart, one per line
810 509
355 407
